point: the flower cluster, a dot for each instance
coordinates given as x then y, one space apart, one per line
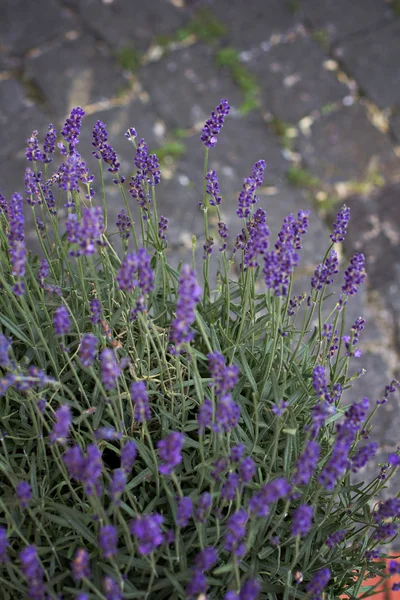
214 124
189 296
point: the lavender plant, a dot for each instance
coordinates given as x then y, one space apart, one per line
162 439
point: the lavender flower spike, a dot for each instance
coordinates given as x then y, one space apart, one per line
189 295
170 452
340 225
214 124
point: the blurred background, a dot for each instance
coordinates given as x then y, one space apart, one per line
314 87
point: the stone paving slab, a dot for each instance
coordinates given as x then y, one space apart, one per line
294 81
131 22
395 126
342 18
377 235
342 145
185 86
18 128
85 73
372 59
25 25
252 23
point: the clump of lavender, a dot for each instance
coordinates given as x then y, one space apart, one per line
191 440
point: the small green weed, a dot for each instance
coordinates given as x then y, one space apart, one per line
229 58
128 58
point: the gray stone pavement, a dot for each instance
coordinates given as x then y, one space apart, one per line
322 79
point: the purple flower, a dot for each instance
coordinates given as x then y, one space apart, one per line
170 452
223 233
247 470
385 530
61 321
147 530
135 272
325 272
302 520
124 225
141 401
247 196
147 164
86 469
162 228
236 532
237 453
214 124
206 559
88 349
110 369
72 128
31 187
362 456
24 493
80 565
33 153
319 381
33 573
396 587
197 585
203 507
131 134
280 408
387 510
112 589
269 493
219 467
49 144
5 344
128 455
345 435
205 415
95 310
256 239
16 241
394 459
60 432
108 540
184 511
88 233
250 590
4 544
107 433
140 194
228 491
82 596
340 226
307 463
394 567
207 247
319 413
117 486
224 377
335 538
354 275
188 296
212 188
102 149
318 582
227 414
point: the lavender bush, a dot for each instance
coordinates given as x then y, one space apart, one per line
162 439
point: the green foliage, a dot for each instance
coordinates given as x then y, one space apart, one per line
300 177
171 150
322 37
128 58
228 58
203 25
396 7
